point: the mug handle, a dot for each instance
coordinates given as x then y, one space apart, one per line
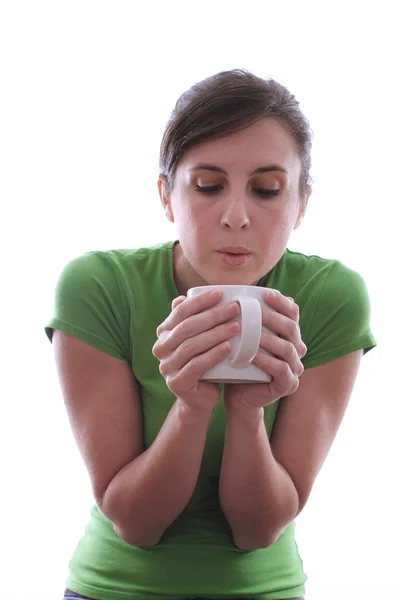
251 332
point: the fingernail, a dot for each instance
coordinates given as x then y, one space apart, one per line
235 326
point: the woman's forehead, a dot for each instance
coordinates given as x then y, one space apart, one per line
264 143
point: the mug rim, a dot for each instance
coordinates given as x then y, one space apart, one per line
227 286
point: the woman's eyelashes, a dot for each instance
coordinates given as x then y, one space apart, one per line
258 191
265 192
208 189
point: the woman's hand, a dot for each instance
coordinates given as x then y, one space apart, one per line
191 340
286 348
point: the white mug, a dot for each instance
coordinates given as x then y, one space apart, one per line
237 366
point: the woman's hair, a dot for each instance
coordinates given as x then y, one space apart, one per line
226 103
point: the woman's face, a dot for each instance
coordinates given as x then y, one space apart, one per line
235 202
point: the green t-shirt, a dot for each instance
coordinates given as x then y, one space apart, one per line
115 301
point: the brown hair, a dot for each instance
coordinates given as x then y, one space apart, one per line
226 103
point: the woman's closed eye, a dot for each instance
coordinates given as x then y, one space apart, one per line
213 189
208 189
265 192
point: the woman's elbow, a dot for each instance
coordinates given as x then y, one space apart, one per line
136 540
255 544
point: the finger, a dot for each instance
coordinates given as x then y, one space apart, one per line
188 378
177 301
193 326
191 306
284 382
195 346
283 304
283 350
284 327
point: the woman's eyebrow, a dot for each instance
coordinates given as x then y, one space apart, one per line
268 168
264 169
206 167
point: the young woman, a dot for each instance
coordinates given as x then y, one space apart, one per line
197 485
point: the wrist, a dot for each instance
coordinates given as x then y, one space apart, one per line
247 416
189 415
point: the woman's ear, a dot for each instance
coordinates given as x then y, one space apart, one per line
165 197
303 206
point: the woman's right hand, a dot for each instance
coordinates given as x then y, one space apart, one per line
192 339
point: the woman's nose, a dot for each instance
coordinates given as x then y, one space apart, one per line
235 215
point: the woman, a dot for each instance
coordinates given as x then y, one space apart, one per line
196 485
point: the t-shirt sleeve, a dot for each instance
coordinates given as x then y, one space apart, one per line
91 304
341 320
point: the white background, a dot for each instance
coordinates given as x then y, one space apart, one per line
86 89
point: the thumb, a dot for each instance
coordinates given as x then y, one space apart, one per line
177 301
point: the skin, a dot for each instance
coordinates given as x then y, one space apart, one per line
264 484
235 215
244 207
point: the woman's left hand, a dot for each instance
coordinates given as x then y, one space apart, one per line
283 363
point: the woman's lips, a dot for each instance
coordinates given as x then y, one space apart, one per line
234 259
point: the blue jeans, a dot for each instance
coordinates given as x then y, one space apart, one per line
68 595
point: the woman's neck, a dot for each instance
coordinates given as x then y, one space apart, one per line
184 275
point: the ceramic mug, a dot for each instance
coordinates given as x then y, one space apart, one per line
237 366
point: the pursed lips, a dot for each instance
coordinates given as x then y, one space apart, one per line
234 250
234 256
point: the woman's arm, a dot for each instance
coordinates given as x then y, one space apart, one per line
141 492
263 485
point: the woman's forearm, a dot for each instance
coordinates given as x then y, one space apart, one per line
149 493
256 494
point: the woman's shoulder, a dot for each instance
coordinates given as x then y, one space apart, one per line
293 260
97 292
296 271
327 291
334 304
109 263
